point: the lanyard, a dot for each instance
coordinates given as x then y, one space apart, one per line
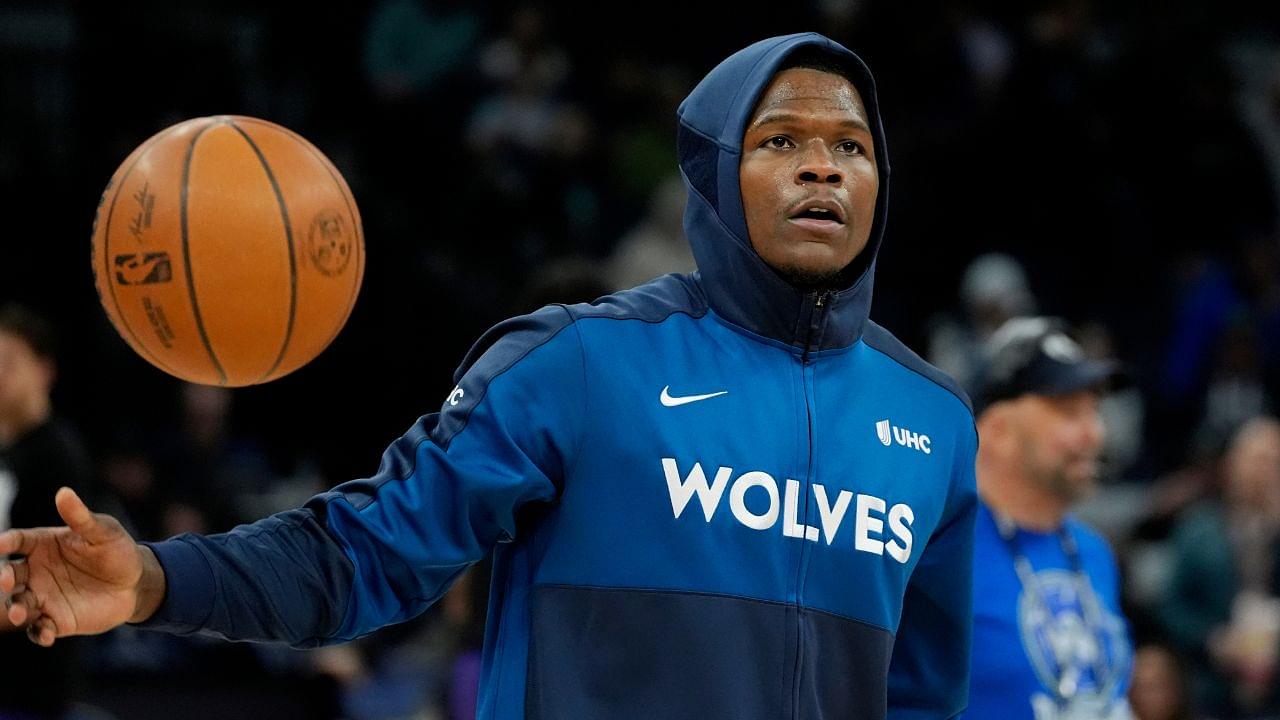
1069 673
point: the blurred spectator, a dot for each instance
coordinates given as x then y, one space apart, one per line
528 71
988 51
534 146
1049 639
568 280
1223 607
131 492
656 245
464 609
1257 65
1159 687
1222 359
638 101
1237 389
524 53
993 289
1123 409
412 45
43 452
209 470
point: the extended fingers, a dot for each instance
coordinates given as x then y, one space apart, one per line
20 607
16 541
93 528
13 576
42 632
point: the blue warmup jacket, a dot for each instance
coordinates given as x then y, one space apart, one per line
711 496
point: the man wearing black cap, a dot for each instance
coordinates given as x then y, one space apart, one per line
1049 641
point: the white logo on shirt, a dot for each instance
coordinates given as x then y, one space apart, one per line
1061 645
890 434
668 401
870 514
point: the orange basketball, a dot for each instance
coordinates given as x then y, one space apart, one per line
227 251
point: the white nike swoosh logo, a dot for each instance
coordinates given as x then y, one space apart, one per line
669 401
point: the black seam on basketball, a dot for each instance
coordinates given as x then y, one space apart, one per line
347 200
186 255
288 233
106 256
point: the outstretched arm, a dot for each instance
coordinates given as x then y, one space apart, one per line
367 554
81 579
380 550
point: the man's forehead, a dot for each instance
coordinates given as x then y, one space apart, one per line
13 343
813 90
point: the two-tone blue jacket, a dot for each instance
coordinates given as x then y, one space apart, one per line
711 496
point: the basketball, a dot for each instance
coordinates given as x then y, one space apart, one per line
227 251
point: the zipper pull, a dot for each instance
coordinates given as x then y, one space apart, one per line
815 319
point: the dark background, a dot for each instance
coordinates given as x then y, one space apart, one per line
1128 158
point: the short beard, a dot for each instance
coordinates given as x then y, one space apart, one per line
1067 489
1055 481
810 280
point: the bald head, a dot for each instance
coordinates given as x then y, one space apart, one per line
1253 465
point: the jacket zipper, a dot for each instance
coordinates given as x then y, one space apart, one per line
817 316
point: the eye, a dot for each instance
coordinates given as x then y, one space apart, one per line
851 147
779 142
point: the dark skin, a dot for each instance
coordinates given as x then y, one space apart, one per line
809 142
81 579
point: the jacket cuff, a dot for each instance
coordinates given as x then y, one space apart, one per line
189 588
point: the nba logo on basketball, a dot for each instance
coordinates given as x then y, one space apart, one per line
221 206
145 269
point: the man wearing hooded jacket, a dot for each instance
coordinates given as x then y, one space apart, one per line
721 495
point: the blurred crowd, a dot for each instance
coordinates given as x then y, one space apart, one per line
1083 159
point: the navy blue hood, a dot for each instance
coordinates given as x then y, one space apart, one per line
740 286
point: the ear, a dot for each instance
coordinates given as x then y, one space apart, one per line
995 427
48 371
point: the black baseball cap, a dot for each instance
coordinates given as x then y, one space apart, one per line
1035 355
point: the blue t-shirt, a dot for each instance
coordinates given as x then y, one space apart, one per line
1026 641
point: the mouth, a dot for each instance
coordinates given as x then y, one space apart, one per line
1085 467
825 217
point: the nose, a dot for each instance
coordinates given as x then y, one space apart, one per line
818 165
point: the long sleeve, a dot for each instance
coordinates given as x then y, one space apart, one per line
380 550
929 670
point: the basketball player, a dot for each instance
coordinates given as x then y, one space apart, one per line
1049 640
720 495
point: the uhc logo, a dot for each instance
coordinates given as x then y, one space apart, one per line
889 435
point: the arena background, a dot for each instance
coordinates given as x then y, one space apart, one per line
509 154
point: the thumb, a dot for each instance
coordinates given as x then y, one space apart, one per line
78 517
